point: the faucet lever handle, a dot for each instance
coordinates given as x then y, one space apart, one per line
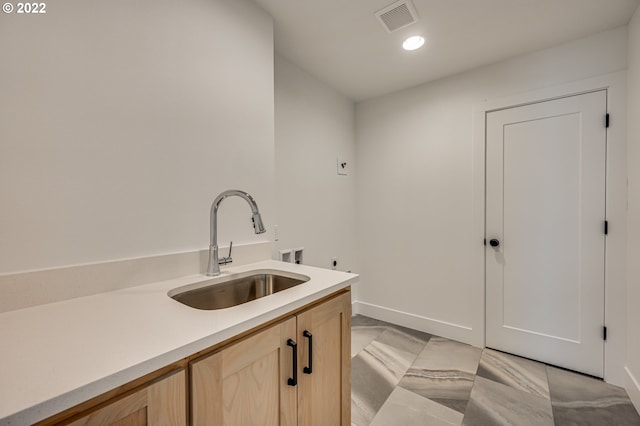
228 259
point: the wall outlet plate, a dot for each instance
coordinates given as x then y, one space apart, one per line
343 166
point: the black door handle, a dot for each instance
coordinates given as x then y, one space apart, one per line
293 381
309 369
494 243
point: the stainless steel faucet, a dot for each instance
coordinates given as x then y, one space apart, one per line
214 263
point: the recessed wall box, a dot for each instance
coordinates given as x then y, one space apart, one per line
286 255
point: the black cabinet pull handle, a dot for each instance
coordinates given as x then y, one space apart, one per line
293 381
309 369
494 243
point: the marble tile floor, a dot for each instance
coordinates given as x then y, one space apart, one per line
406 377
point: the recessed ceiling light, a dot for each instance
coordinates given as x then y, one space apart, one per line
413 43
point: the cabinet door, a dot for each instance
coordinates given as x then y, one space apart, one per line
247 382
324 394
162 403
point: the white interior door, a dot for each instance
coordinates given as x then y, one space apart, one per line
545 205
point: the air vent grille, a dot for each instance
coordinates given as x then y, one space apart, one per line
397 15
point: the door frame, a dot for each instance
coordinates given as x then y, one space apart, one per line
616 202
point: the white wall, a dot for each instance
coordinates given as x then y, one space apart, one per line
315 206
419 244
633 152
121 121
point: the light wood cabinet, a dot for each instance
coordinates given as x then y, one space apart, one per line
246 383
253 382
158 404
296 370
324 395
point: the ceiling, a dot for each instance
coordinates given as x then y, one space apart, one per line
343 44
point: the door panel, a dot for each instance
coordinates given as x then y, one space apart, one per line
324 396
247 382
546 205
162 403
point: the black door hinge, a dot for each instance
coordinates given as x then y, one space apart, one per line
604 332
606 227
606 120
485 241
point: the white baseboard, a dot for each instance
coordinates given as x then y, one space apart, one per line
632 386
448 330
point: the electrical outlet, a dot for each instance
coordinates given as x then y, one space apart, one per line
334 263
275 233
343 166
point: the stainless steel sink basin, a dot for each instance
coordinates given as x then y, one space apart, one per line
225 292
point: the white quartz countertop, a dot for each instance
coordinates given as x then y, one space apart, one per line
58 355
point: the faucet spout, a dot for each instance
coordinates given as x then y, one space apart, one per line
213 268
